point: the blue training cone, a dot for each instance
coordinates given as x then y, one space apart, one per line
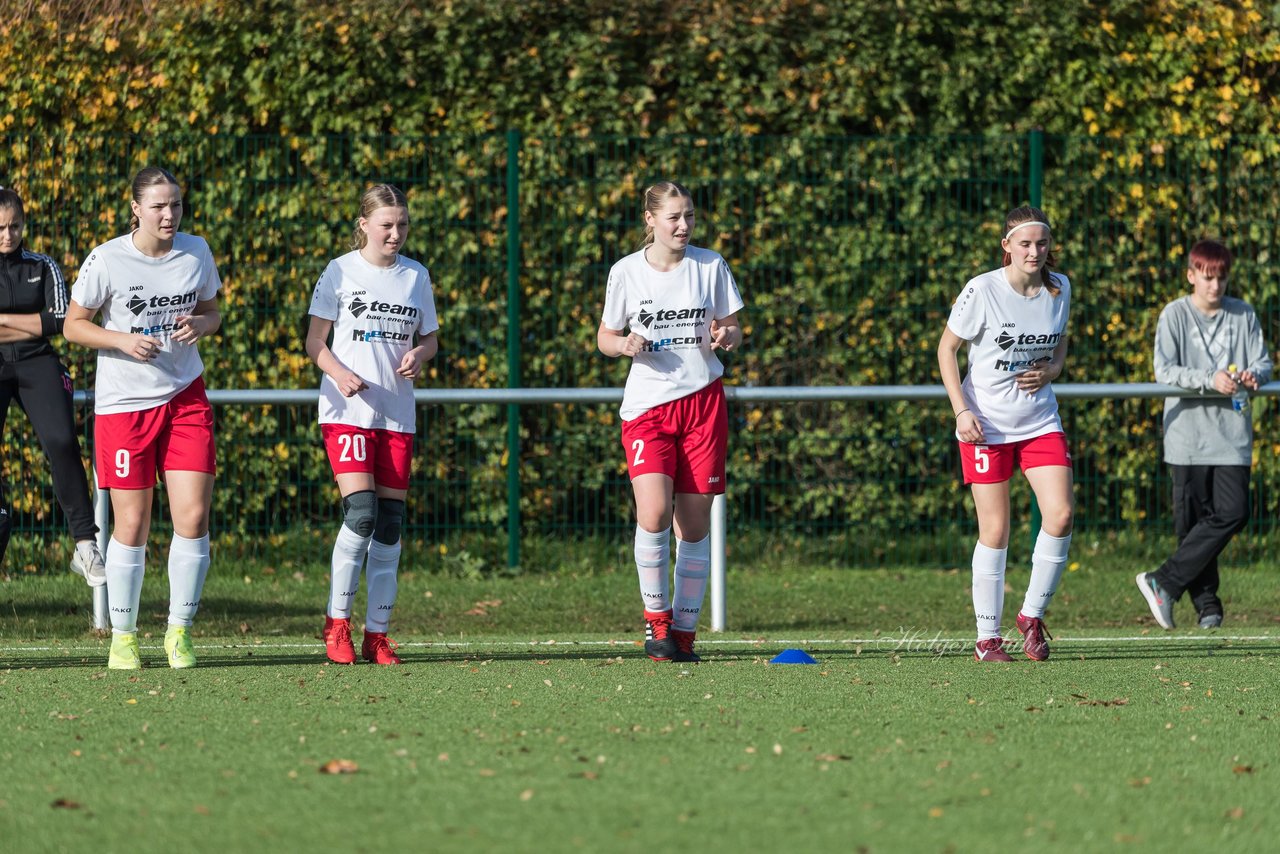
792 656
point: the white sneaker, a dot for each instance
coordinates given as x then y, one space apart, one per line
87 561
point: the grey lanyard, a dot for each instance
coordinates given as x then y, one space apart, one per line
1195 312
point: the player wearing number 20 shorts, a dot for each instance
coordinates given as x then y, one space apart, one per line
669 307
156 288
1014 320
379 309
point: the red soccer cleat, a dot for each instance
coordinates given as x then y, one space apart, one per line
991 649
379 648
1034 634
658 642
684 647
337 641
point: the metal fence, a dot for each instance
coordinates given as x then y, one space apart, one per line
849 252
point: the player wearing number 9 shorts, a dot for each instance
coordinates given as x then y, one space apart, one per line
669 307
378 305
1014 320
156 289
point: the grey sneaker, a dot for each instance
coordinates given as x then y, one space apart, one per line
1210 621
1159 602
87 561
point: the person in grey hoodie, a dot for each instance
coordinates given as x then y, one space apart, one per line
1210 343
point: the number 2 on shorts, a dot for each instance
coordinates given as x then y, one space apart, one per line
638 447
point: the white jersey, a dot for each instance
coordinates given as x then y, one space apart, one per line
144 295
673 311
1007 334
376 312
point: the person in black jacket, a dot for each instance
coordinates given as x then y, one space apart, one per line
33 305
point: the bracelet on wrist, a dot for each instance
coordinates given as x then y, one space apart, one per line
962 412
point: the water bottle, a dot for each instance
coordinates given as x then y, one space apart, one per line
1239 397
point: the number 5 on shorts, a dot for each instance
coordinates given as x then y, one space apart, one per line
981 462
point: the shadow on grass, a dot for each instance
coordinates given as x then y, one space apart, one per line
1155 651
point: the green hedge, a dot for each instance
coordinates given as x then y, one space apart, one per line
851 162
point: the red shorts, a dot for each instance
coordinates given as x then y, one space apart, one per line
385 454
129 448
684 439
994 463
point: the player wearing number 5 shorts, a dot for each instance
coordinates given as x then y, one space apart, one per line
668 308
1015 322
379 308
156 288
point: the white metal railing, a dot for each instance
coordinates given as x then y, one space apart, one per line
542 396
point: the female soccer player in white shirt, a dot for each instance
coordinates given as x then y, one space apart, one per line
669 307
156 288
379 307
1015 322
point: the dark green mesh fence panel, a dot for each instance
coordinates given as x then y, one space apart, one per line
1130 260
849 252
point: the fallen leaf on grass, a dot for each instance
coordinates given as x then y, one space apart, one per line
1235 812
833 757
1242 769
339 766
526 795
65 804
1138 784
1118 701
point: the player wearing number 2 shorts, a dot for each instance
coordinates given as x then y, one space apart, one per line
1014 320
379 308
669 307
156 288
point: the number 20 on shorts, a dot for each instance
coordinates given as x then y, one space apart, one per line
352 446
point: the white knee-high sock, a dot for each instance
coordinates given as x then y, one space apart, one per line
344 574
124 584
653 558
188 566
380 573
1048 560
693 566
988 589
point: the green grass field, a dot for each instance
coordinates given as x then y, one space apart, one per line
526 718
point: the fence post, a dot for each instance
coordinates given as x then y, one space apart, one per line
513 346
1035 178
102 518
719 524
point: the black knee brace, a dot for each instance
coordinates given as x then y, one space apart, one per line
390 515
360 512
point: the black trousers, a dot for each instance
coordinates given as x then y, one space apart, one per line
43 389
1210 504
